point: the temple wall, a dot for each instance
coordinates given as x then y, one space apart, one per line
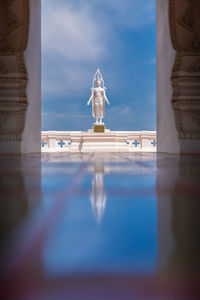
20 79
178 76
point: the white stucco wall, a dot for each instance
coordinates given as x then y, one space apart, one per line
32 131
167 134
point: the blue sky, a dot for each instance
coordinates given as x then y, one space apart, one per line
117 36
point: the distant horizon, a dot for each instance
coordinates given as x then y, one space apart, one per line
120 39
106 128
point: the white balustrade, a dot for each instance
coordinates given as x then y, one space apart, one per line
88 141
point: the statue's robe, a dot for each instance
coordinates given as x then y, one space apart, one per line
98 107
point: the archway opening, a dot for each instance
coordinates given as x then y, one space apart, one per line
119 37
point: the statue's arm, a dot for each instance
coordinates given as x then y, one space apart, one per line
105 97
88 103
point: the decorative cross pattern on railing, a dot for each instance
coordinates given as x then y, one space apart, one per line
154 143
61 143
135 143
43 143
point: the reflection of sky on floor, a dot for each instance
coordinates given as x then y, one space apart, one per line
126 224
125 241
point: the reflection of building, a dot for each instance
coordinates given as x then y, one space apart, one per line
98 196
178 216
14 199
20 191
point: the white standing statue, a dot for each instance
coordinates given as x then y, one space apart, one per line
98 98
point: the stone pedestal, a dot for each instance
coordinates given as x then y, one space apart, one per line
99 127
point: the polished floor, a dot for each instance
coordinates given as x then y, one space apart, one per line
100 226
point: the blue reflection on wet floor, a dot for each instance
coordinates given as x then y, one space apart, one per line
135 215
109 222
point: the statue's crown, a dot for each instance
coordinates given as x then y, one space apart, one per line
98 76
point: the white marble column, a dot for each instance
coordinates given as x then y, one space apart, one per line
31 137
167 134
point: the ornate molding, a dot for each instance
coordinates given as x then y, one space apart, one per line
196 117
13 74
12 105
186 70
186 19
3 68
15 36
184 35
195 66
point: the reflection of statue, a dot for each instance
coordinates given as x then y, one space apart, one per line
98 196
98 98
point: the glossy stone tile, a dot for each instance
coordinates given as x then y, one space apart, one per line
100 226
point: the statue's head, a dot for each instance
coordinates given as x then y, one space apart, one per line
98 82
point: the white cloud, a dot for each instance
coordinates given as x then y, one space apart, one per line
72 42
57 116
70 79
77 35
71 33
121 110
132 14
